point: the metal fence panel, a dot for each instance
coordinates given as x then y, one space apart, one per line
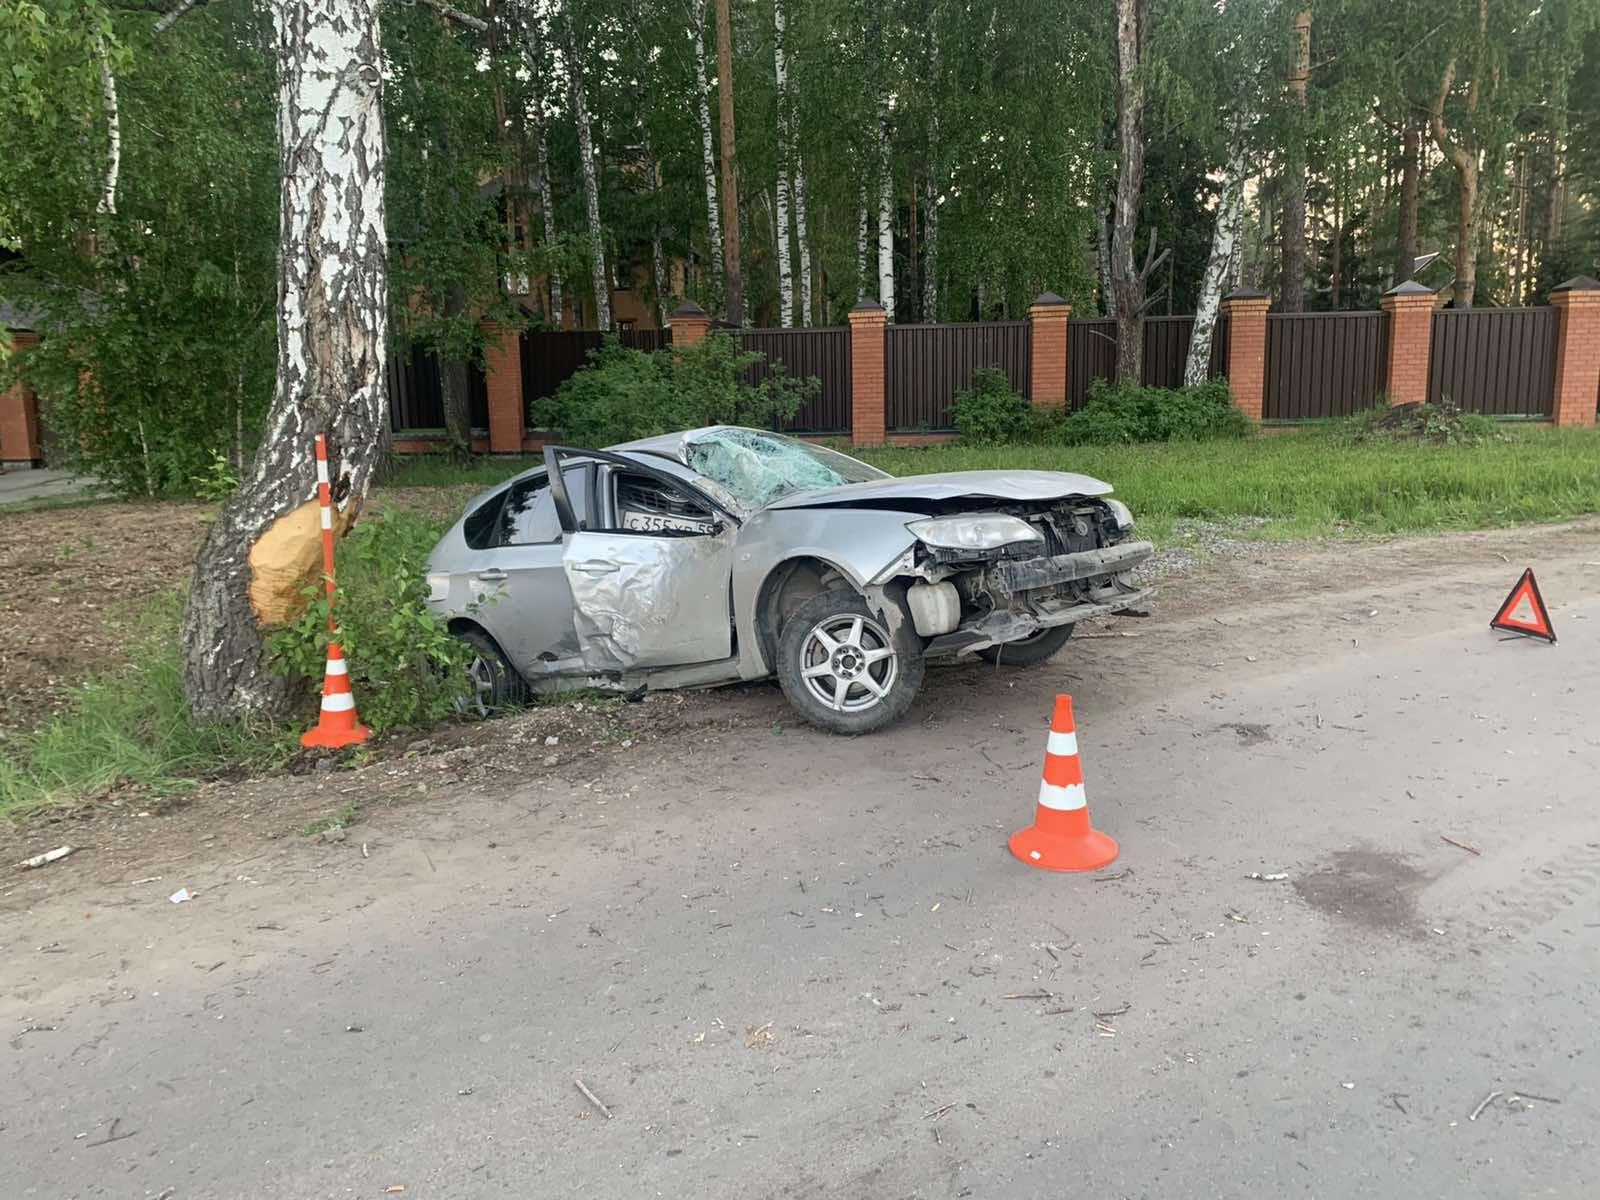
926 365
1091 355
416 397
1323 364
1496 361
1166 350
822 354
552 356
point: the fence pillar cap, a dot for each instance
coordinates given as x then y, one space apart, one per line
1047 300
1246 294
687 309
1578 283
867 306
1409 288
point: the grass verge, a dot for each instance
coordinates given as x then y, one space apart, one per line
131 727
1317 482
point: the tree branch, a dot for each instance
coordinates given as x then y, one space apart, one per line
170 18
455 14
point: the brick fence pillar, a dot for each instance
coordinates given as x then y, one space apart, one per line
689 324
1047 321
1577 391
1410 307
1247 349
19 416
502 370
867 324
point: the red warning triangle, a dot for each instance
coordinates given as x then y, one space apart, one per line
1524 611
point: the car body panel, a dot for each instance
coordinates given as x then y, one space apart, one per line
953 485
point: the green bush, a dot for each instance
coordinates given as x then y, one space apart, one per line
627 394
1443 423
1116 415
407 670
989 413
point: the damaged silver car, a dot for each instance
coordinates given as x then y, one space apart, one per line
727 554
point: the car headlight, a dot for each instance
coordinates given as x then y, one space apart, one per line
983 531
1119 510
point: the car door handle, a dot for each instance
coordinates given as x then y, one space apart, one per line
492 575
595 567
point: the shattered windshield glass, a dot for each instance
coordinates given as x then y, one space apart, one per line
759 467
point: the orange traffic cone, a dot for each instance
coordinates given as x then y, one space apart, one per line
1060 838
338 726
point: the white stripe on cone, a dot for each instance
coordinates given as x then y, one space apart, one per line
337 666
344 702
327 518
1061 743
1063 799
322 470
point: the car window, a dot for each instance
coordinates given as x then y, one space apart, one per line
481 523
529 515
644 504
758 467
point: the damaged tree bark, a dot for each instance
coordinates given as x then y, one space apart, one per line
265 545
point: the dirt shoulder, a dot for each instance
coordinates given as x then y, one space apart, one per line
1260 609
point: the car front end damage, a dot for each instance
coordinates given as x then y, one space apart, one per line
979 579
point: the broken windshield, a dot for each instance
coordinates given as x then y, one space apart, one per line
759 467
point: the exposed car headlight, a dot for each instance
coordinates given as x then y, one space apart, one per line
1119 510
980 531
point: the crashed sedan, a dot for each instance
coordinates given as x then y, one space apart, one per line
726 554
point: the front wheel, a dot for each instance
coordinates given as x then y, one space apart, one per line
1039 646
843 668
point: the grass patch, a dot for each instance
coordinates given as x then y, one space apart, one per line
438 470
131 727
343 819
1317 482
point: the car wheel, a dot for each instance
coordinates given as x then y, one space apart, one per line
494 684
1037 647
842 667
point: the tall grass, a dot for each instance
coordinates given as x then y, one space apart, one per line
1316 482
130 727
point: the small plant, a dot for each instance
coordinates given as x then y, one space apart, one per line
989 413
343 819
217 482
1116 415
1443 424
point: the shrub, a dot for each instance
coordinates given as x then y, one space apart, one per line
1115 415
406 668
627 394
1443 423
989 412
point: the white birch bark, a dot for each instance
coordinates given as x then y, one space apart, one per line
586 168
332 330
861 236
708 155
108 93
785 263
1219 265
885 223
547 208
1102 259
533 51
930 249
806 315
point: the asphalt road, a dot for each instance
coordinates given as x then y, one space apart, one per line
794 966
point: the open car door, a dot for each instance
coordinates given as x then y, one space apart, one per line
649 577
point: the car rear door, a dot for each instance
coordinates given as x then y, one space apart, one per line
649 578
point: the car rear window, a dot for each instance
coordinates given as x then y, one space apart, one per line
479 526
528 517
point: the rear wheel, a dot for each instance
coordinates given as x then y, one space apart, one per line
843 668
494 684
1037 647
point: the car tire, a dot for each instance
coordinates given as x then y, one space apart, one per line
811 675
1029 651
494 683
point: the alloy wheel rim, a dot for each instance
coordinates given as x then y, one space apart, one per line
847 663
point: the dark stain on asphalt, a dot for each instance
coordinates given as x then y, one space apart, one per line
1375 889
1251 734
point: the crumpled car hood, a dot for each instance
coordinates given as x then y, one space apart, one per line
953 485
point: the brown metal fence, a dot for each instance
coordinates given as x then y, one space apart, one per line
551 357
821 354
416 397
1496 361
1092 353
924 366
1323 364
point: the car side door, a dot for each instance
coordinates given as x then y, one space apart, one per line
650 577
520 581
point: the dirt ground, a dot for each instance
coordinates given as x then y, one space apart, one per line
132 836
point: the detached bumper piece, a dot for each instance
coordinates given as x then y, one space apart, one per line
1031 574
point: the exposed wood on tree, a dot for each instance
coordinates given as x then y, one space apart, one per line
587 170
732 272
332 330
1292 285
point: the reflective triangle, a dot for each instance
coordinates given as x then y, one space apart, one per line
1524 611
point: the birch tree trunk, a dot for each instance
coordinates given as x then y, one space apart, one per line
785 265
586 168
930 249
803 239
732 270
1406 248
1292 285
1102 257
1127 283
547 208
108 93
265 544
1219 264
885 220
708 156
861 236
533 49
